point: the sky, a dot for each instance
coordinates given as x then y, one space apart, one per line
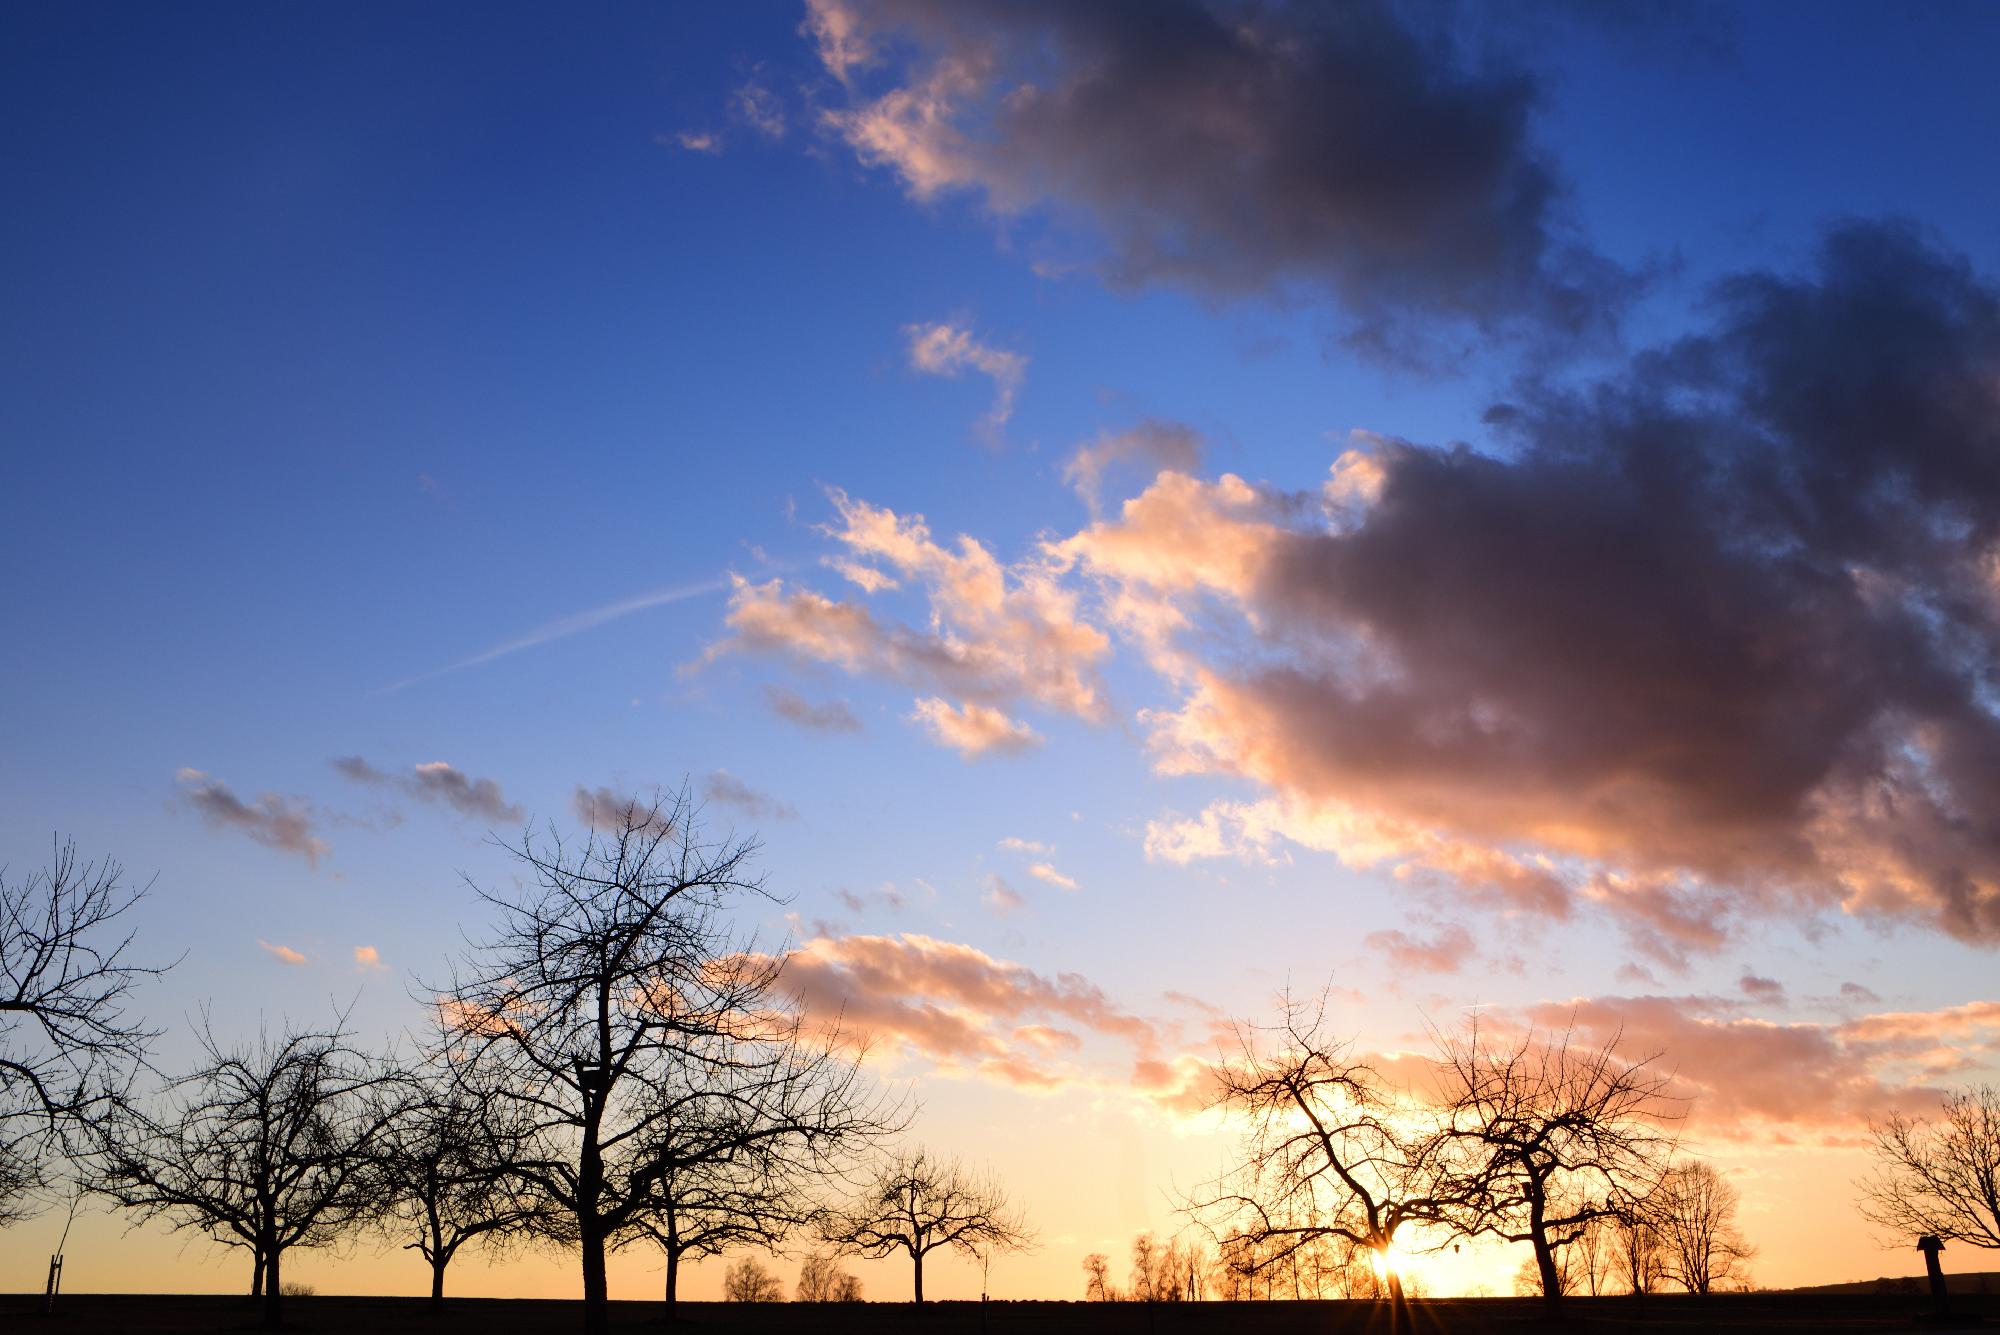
1136 506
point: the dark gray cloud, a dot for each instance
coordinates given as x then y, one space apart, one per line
276 821
1362 149
727 790
832 716
1723 626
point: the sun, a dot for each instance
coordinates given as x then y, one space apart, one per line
1394 1260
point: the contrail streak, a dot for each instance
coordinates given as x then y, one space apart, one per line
566 627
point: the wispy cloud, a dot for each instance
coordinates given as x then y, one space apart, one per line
367 959
274 820
437 781
946 349
833 716
727 790
562 629
284 954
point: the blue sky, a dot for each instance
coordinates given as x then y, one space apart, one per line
346 344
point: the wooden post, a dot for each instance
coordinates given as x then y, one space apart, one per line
55 1282
1930 1246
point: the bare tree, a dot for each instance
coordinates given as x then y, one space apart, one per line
1939 1177
633 1036
1694 1211
1594 1253
916 1203
445 1156
1097 1285
1330 1154
1550 1135
748 1122
749 1281
68 1049
822 1280
1636 1251
265 1147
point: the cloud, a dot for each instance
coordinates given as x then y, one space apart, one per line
1367 150
565 627
758 107
957 1006
273 820
602 809
1709 639
436 781
358 770
946 349
1001 898
1152 447
700 141
1446 952
725 789
833 716
1760 1080
996 634
1046 872
1762 991
283 954
1017 845
368 960
973 730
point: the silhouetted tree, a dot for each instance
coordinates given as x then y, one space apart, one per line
1939 1177
1529 1281
1329 1155
1549 1136
266 1147
67 1048
1097 1285
748 1118
1635 1247
1694 1212
822 1280
445 1159
748 1281
639 1043
916 1203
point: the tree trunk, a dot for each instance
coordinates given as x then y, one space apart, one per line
256 1273
919 1258
438 1263
1545 1263
673 1283
596 1297
274 1293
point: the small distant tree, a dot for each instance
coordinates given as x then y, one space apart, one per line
1636 1255
1939 1177
1694 1212
1593 1256
1548 1135
748 1281
1097 1285
916 1203
822 1280
1528 1279
267 1147
68 1049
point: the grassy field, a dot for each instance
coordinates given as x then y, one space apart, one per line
96 1314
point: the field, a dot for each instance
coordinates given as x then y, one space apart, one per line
1734 1314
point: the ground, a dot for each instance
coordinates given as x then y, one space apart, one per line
1734 1314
